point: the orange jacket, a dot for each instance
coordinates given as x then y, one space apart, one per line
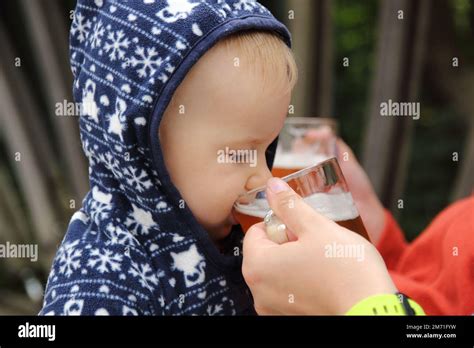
437 268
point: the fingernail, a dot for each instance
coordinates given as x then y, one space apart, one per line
277 185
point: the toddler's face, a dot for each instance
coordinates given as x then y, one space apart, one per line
220 107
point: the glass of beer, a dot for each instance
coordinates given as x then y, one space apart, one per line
303 142
322 186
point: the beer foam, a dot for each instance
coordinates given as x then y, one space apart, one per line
290 160
258 208
337 206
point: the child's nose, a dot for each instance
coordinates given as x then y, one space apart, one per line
259 177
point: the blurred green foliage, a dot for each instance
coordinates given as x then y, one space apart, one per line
431 171
355 35
438 133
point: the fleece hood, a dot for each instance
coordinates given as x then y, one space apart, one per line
132 248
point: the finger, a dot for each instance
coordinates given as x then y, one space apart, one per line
290 208
347 160
344 151
318 134
256 238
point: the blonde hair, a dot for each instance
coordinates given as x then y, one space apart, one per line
267 54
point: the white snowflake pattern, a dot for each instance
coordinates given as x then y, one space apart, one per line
89 152
81 27
244 5
111 163
137 178
214 309
116 45
69 258
97 33
147 61
161 300
248 5
100 204
104 260
100 211
145 274
118 235
140 221
223 10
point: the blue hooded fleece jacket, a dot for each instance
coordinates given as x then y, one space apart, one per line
132 248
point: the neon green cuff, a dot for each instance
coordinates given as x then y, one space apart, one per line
383 305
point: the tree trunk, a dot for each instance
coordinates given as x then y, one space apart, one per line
311 30
397 75
456 83
66 128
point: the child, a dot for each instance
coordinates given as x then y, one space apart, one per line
165 87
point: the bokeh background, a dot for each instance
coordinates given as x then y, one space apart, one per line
352 55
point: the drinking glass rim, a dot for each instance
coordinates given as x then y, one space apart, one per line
311 120
290 176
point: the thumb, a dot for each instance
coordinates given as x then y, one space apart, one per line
256 239
290 208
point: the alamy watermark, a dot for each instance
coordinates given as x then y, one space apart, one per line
28 330
335 250
68 108
228 155
21 251
393 108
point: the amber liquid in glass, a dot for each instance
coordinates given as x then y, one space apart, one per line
246 221
281 172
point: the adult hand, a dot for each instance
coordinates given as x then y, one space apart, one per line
369 206
326 269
